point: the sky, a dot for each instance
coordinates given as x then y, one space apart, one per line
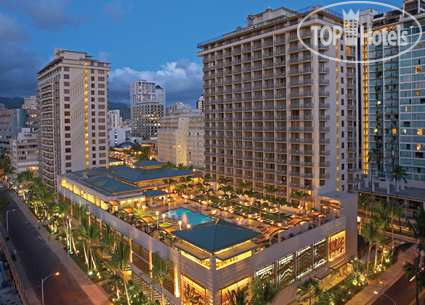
152 40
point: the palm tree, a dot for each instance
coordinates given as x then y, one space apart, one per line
369 232
300 196
238 296
90 236
309 289
161 270
398 174
244 185
119 265
416 270
396 213
263 291
270 189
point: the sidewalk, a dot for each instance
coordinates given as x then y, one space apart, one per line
96 294
378 286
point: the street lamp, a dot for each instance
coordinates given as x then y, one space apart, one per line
157 219
7 219
180 225
43 280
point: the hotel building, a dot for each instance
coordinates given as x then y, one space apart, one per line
147 108
393 110
212 251
277 114
72 96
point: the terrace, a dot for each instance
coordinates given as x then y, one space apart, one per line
185 210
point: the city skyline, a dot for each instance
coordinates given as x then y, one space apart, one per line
33 31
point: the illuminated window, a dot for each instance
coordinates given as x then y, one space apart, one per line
418 69
394 131
420 131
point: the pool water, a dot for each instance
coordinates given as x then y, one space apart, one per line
188 216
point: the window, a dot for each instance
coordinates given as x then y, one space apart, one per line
420 132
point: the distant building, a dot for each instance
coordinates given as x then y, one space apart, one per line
147 108
30 106
117 136
114 119
73 98
11 122
200 103
24 151
178 108
181 137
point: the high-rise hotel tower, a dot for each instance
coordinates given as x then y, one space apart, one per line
72 96
278 117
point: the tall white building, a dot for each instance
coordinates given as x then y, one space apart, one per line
147 108
72 96
114 119
181 137
24 151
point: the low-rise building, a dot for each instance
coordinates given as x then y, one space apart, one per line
118 135
212 252
181 137
24 151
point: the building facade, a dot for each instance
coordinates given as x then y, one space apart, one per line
181 137
147 108
30 106
393 104
114 119
72 96
210 260
118 135
11 122
276 115
200 103
24 151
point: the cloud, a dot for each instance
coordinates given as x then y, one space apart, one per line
18 67
182 81
116 10
10 31
46 14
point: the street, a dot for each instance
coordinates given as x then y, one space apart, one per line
401 293
39 261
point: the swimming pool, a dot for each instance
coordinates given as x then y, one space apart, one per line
188 216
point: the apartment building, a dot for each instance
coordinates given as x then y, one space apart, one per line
393 103
11 122
114 119
147 108
181 137
275 113
72 96
30 106
200 103
118 135
24 152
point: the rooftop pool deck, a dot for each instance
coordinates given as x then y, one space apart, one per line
188 216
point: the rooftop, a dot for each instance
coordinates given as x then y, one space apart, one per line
147 163
122 179
154 193
216 236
